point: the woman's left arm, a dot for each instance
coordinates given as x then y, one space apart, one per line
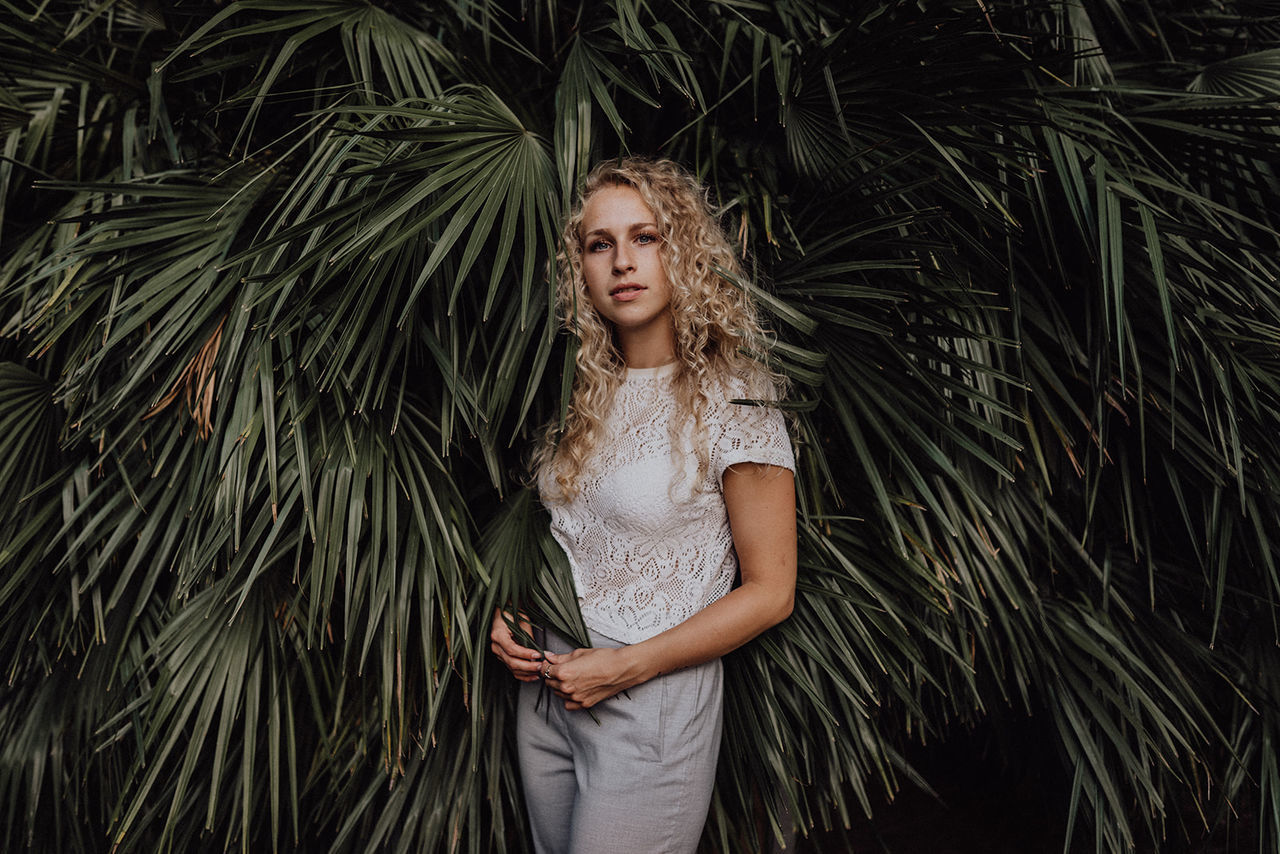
761 501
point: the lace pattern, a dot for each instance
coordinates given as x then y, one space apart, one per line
647 538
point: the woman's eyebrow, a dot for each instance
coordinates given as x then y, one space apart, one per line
635 226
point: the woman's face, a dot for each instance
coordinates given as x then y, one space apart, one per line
623 271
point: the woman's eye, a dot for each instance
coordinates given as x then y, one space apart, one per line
646 239
598 246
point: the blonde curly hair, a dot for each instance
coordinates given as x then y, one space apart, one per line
718 336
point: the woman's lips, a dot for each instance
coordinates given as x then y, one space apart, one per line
626 292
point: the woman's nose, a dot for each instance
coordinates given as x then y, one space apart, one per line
622 260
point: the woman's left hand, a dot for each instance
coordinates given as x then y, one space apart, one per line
585 677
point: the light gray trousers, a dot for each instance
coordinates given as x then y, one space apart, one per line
638 781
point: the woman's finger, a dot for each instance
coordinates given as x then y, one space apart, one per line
500 633
523 662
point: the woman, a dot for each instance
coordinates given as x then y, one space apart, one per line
659 490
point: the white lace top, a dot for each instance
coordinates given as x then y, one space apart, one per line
648 546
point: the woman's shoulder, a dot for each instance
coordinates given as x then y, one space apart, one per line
744 402
744 383
745 423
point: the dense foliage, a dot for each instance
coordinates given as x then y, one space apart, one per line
276 333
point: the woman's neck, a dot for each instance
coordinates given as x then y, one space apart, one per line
649 350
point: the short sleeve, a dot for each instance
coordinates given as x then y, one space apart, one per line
750 433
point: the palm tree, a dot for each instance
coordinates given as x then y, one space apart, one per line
276 333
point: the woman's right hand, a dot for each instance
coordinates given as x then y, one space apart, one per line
524 663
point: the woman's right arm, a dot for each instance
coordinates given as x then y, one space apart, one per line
524 663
